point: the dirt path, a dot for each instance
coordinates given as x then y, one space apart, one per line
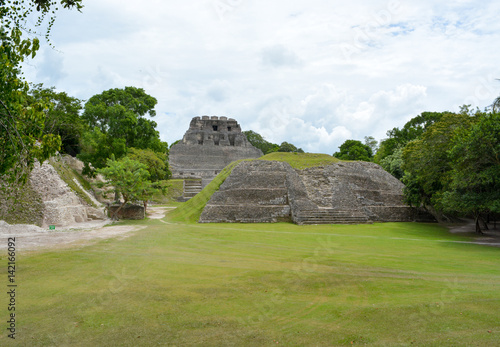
490 237
31 237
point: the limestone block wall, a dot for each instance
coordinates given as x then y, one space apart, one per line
255 192
129 211
346 192
208 146
62 207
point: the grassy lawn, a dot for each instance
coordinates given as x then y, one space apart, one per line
392 284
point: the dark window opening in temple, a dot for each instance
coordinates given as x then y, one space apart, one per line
215 127
228 128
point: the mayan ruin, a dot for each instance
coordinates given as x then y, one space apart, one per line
208 146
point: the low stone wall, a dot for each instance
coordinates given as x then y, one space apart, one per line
129 211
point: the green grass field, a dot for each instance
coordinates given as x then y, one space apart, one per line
392 284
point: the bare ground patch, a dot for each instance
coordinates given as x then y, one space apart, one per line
31 237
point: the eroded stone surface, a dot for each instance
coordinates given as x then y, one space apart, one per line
209 145
345 192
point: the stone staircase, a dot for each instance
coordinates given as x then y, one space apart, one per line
191 188
330 216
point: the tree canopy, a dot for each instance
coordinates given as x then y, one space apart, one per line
354 150
22 137
117 121
267 147
62 118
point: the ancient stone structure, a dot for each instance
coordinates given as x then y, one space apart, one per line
344 193
50 201
210 144
129 211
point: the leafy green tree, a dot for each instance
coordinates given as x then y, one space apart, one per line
156 163
426 163
21 123
128 177
259 142
354 150
118 118
413 129
475 174
372 143
97 147
393 163
288 147
62 118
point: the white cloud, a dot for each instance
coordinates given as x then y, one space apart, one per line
280 68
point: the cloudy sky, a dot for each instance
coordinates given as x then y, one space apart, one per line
313 73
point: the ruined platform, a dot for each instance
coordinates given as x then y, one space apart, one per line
343 193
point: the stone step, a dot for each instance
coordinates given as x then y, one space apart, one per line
191 188
331 216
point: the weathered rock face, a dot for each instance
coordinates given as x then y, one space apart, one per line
62 206
210 144
53 201
347 192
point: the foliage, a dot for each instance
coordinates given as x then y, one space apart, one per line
354 150
259 142
475 162
393 163
372 143
21 124
97 147
156 163
117 119
63 118
128 177
288 147
412 130
426 161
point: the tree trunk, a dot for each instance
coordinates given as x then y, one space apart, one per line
119 208
485 224
145 202
478 228
117 197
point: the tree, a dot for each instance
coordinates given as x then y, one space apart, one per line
128 177
393 163
259 142
475 175
288 147
426 163
413 129
21 124
156 163
117 119
372 143
97 147
62 118
354 150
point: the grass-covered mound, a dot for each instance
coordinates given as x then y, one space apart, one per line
301 160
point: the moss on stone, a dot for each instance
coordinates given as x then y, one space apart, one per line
68 175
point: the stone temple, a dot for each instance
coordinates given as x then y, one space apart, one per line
209 145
